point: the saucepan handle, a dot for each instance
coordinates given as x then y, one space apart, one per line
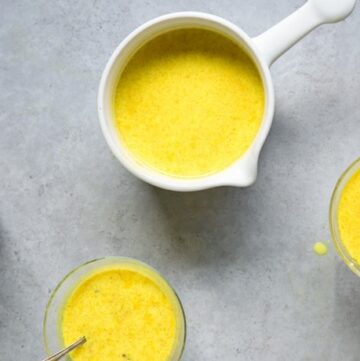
275 41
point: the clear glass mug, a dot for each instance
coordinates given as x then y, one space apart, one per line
51 331
333 217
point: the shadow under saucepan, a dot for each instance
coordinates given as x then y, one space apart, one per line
205 226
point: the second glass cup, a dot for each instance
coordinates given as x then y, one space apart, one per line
334 217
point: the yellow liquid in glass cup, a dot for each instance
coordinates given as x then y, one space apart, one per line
345 217
126 311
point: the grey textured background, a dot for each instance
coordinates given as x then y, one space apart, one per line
241 259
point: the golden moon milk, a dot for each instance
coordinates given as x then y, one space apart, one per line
125 315
189 103
349 217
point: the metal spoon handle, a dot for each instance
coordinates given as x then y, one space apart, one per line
66 350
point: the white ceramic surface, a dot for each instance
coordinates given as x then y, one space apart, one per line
263 49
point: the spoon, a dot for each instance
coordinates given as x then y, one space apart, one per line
66 350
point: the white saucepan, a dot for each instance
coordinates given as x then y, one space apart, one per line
263 49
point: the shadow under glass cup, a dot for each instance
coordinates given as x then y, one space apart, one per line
52 321
334 219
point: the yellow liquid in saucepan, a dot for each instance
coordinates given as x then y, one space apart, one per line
349 217
125 316
189 103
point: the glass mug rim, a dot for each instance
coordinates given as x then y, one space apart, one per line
333 216
179 346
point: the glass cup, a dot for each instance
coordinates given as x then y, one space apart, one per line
51 327
333 217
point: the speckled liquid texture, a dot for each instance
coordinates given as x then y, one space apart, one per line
349 217
189 103
124 315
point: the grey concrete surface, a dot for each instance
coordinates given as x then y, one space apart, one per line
240 259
